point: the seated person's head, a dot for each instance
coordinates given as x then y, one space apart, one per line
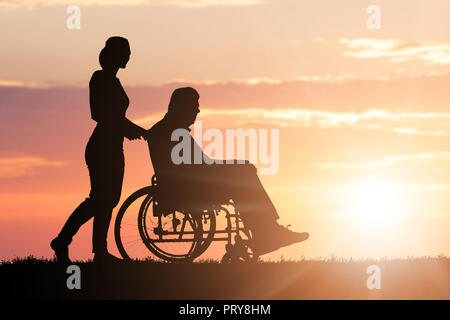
184 105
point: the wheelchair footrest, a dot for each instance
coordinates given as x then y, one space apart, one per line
239 251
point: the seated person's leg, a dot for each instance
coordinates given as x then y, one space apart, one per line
252 201
242 184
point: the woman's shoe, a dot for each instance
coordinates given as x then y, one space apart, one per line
106 257
61 251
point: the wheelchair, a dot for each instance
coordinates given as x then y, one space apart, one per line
149 222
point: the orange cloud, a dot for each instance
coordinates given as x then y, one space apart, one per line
370 119
8 84
176 3
385 161
397 50
418 132
23 166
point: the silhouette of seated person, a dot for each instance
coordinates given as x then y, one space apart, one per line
194 187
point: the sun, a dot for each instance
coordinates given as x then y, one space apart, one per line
375 202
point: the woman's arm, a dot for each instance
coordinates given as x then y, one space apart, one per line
133 131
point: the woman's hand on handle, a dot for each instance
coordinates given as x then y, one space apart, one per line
134 134
146 134
133 131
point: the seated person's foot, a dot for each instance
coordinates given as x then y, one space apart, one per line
288 237
275 238
105 257
263 245
61 251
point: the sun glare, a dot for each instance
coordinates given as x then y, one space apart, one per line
374 202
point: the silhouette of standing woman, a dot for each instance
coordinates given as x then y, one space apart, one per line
104 152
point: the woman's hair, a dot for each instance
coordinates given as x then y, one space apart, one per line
114 47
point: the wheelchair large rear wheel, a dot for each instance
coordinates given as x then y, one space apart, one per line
141 233
126 227
175 236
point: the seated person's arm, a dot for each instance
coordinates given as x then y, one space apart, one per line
209 164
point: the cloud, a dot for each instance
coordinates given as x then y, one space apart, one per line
397 50
11 4
418 132
14 84
328 78
22 84
330 118
14 167
249 81
385 161
370 119
325 79
319 40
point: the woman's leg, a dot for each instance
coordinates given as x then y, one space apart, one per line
106 186
79 216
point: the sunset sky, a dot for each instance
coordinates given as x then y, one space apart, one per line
364 115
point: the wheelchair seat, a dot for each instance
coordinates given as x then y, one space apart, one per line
173 196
